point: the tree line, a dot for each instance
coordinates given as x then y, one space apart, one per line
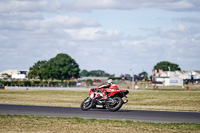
63 67
96 73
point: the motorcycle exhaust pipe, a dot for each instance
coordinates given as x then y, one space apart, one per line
125 101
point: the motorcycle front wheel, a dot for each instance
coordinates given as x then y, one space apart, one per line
115 105
86 104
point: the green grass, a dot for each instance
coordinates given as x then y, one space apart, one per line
73 125
148 86
165 100
144 100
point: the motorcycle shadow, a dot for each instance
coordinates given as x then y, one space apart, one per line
105 110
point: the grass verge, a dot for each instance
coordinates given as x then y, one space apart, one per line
145 100
142 100
34 124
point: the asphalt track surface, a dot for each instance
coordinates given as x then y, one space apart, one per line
133 115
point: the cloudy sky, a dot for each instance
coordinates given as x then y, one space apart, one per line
110 35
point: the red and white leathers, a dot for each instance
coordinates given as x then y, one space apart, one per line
109 87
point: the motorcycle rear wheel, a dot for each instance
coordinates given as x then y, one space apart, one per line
115 105
86 104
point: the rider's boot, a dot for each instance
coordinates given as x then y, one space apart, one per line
95 100
105 96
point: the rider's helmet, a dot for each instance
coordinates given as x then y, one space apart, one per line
110 81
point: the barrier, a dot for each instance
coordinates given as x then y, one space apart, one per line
5 87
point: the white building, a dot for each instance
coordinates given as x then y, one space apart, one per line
15 74
175 78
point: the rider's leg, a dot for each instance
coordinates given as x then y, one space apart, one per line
95 100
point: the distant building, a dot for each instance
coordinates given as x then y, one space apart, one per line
15 74
168 78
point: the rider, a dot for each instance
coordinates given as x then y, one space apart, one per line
104 88
109 85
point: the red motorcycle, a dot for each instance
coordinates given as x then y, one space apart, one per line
112 102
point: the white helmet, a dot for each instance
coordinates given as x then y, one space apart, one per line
110 81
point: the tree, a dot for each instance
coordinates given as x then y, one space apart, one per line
36 71
143 75
84 73
165 65
63 67
95 73
99 73
60 67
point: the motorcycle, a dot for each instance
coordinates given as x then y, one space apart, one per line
113 102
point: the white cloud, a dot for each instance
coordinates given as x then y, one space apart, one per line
189 19
23 21
181 27
38 30
93 34
11 6
176 5
81 5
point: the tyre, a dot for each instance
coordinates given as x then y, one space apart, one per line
115 105
86 104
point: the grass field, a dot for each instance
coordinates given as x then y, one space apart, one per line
171 99
147 86
24 124
143 100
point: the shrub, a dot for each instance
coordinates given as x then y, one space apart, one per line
27 83
36 82
40 83
6 83
89 82
20 83
71 83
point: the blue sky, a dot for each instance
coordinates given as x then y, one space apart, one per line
110 35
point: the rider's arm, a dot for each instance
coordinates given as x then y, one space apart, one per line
94 89
105 86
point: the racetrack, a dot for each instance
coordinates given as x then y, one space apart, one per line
133 115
